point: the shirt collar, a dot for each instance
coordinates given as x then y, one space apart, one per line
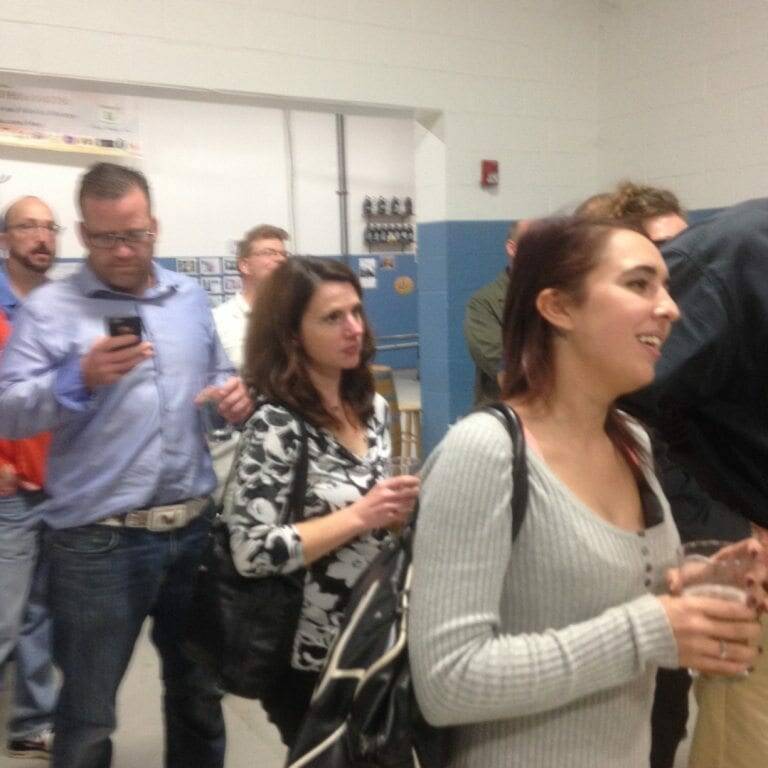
242 304
91 285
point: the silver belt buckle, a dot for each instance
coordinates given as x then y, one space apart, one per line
161 519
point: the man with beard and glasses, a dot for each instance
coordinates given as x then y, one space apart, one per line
29 238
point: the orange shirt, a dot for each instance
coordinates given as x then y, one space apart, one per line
27 456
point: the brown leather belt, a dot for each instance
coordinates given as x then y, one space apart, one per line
167 517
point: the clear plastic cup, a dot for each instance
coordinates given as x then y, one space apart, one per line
399 465
714 569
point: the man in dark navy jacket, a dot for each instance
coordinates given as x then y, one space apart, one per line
709 402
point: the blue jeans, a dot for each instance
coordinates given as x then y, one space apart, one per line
25 627
104 582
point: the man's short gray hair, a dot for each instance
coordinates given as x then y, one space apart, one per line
109 181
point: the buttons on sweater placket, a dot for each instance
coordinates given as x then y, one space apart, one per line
646 552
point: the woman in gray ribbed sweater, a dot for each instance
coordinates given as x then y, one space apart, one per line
544 652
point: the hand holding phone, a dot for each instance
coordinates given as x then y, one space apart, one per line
108 360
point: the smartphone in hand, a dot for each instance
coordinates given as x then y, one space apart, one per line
122 326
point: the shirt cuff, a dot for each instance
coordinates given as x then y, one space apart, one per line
654 635
295 550
69 387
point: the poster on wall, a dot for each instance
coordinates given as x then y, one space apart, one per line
231 284
366 268
209 265
59 120
211 284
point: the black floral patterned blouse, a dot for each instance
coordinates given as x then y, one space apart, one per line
262 546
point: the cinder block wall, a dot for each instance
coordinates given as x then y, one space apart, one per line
568 96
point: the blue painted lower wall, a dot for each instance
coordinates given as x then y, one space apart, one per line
455 259
391 312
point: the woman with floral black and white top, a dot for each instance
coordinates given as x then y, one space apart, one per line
307 355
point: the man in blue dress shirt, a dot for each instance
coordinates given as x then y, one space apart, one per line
129 472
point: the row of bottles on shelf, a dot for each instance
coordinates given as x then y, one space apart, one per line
384 207
400 234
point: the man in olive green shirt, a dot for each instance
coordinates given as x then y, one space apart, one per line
483 319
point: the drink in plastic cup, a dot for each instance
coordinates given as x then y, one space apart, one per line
215 427
708 569
399 465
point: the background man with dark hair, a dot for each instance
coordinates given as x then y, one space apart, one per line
129 471
258 253
29 237
482 323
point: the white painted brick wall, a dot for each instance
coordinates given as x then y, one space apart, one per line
684 97
508 74
430 168
568 95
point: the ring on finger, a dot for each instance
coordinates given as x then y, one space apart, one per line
723 650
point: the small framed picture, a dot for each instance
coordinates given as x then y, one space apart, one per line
230 266
186 266
231 284
366 269
209 265
211 284
215 299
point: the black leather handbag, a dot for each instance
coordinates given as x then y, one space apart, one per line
363 712
241 630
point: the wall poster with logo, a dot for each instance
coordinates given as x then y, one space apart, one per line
68 121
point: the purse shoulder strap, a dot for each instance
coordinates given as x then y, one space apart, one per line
519 465
227 492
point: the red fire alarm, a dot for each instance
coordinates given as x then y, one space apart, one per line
489 173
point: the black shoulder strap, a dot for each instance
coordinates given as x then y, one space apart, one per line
299 488
519 465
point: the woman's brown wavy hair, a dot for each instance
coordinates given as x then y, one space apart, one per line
559 254
275 361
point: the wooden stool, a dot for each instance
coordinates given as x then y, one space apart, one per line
410 435
384 381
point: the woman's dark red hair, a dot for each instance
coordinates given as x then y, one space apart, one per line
559 254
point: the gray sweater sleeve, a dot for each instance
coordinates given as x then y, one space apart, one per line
466 668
